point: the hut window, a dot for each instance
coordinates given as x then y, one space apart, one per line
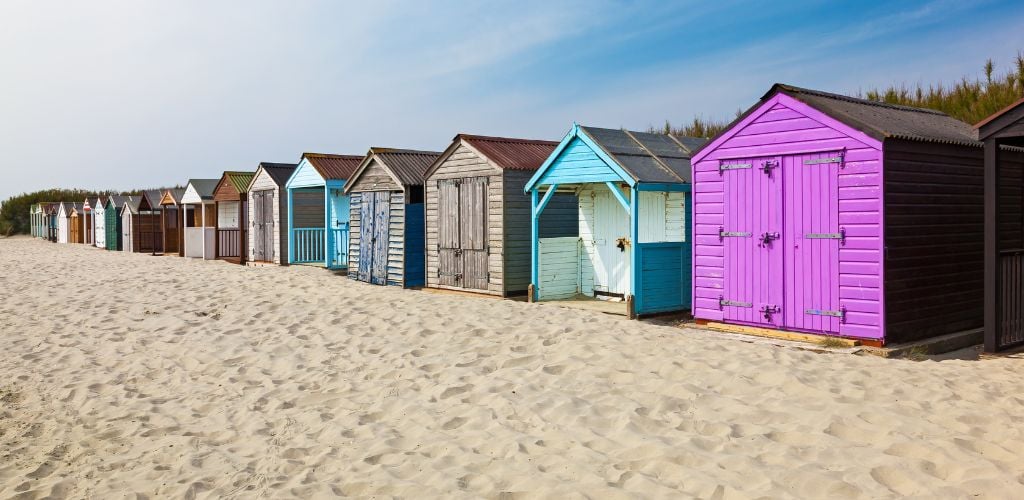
662 217
227 214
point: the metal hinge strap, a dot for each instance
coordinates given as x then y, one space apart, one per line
820 161
841 236
734 303
733 234
735 166
841 313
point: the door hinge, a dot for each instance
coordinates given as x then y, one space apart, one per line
833 159
722 233
841 313
722 303
734 166
841 236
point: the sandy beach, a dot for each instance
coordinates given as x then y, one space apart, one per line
127 375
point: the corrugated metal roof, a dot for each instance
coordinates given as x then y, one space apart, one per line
407 165
279 172
644 156
513 154
232 185
882 120
333 167
239 180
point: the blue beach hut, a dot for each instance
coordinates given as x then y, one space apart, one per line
318 210
633 250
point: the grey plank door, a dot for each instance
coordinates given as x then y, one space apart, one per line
258 239
473 232
381 233
449 260
269 241
366 223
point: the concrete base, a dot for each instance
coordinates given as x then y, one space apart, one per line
930 346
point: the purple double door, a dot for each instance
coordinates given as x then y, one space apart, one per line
781 239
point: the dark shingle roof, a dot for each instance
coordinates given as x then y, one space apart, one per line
882 120
204 187
513 154
408 165
333 167
644 156
279 172
117 200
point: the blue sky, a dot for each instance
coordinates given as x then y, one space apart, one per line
117 95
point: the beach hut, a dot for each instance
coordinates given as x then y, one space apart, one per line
140 220
87 222
36 226
99 221
633 249
830 215
172 222
75 234
386 242
1003 136
232 205
268 206
318 210
478 217
50 220
113 225
63 221
200 219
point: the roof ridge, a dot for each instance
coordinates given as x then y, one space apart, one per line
506 139
378 150
330 155
857 100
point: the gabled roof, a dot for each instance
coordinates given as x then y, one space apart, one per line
232 184
279 172
407 166
171 195
203 187
333 167
131 204
502 152
1005 124
637 157
116 200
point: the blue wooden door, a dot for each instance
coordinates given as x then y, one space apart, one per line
381 236
366 211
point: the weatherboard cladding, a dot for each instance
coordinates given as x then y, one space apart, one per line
511 154
906 194
232 186
332 166
279 172
203 187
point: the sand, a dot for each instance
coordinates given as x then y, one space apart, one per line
153 377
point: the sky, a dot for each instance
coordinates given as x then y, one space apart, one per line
140 94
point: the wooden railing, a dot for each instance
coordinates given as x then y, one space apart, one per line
227 242
340 237
1011 324
308 245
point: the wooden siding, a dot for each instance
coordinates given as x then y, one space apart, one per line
559 219
413 263
464 163
99 228
662 216
264 182
577 164
305 176
934 238
559 268
784 126
403 220
375 178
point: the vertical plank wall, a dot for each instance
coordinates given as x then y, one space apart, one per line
560 219
785 126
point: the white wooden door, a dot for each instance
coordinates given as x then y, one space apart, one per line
611 246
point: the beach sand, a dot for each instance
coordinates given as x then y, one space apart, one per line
152 377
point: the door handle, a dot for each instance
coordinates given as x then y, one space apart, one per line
767 238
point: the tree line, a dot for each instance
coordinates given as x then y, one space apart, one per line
966 100
14 214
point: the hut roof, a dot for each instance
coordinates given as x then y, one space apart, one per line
204 187
408 166
279 172
117 200
333 167
231 184
512 154
174 196
132 204
644 156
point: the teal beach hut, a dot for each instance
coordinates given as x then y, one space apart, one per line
633 249
112 221
318 210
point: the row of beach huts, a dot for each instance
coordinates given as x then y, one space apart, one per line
812 212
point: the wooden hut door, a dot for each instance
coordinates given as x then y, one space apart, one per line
473 232
365 235
449 262
812 240
751 233
259 241
381 237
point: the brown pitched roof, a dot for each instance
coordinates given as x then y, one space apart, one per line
333 167
408 165
513 154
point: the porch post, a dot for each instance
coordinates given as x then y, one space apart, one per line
328 258
634 258
289 229
993 287
534 245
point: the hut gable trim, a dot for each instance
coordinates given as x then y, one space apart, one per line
278 173
406 167
333 166
199 191
305 175
1006 122
171 196
574 137
232 185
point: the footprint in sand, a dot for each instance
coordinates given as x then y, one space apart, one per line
455 391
